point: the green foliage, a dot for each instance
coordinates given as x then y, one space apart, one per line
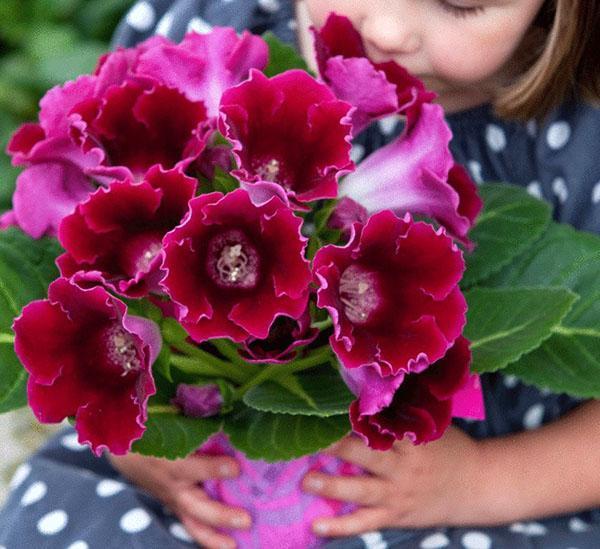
282 57
26 269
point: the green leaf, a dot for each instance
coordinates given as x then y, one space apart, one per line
511 221
174 436
68 65
569 361
224 182
322 393
277 437
26 269
504 324
282 57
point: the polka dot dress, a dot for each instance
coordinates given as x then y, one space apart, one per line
64 497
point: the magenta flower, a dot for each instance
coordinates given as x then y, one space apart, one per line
393 294
281 345
375 89
417 406
290 135
244 255
416 173
88 358
198 400
115 237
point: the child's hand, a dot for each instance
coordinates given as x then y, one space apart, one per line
422 486
176 484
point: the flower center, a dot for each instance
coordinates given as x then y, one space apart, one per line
232 261
121 352
360 293
139 252
272 169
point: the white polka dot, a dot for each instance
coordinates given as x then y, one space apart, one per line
475 169
476 540
20 475
596 193
529 528
495 137
109 487
178 531
292 24
558 134
535 189
357 152
534 416
34 493
559 188
135 521
374 540
531 127
199 25
79 544
164 25
269 5
510 382
52 523
70 442
435 541
388 124
141 17
578 525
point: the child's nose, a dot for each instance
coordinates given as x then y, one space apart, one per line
388 35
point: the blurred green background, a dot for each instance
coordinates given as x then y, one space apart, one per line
44 43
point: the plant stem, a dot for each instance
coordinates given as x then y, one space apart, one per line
163 409
317 358
228 350
323 325
7 338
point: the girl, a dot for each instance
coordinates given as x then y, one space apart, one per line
516 78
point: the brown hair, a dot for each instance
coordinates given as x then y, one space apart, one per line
558 59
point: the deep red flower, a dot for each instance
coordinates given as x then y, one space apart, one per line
233 267
290 136
421 407
392 293
115 237
375 89
280 346
88 358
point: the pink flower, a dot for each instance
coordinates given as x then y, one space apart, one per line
115 236
243 255
393 294
375 89
280 346
416 173
198 400
88 358
417 406
290 136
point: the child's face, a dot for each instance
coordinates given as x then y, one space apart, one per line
452 45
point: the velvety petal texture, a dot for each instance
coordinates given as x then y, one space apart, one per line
420 408
290 135
230 254
116 235
392 293
88 358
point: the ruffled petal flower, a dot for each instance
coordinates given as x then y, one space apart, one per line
280 346
315 123
416 173
245 254
375 89
420 408
393 294
203 66
88 358
116 235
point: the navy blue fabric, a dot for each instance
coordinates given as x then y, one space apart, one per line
555 161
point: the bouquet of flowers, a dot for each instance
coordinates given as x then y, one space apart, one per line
229 279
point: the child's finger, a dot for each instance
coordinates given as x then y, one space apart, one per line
198 468
196 504
205 535
359 522
363 490
354 450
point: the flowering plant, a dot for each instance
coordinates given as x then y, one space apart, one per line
225 266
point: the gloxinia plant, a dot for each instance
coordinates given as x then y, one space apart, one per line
207 207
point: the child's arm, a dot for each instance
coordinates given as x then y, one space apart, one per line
457 481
